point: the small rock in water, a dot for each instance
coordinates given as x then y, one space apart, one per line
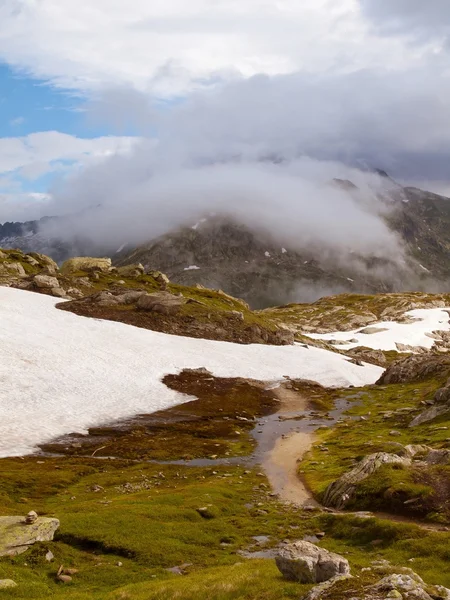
31 517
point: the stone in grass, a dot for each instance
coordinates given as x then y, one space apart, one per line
7 583
16 535
207 512
306 563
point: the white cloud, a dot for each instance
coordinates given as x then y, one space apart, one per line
39 153
24 160
170 45
17 121
418 18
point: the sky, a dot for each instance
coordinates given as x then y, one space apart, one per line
100 98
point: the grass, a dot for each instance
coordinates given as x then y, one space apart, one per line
379 423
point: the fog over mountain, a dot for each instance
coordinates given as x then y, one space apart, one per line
264 150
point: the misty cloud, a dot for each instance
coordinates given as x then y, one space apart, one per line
422 20
264 151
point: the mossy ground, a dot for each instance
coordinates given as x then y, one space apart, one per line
380 423
217 424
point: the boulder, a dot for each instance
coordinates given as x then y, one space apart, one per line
161 302
31 261
160 277
415 368
372 330
131 270
16 535
48 262
374 357
129 297
7 583
46 282
15 268
86 263
58 292
317 592
440 408
410 587
340 492
74 292
306 563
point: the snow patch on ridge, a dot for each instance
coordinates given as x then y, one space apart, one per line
409 334
61 373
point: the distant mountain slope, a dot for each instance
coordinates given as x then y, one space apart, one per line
219 253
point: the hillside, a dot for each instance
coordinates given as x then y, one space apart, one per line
180 467
218 252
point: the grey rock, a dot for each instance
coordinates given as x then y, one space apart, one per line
317 591
161 302
306 563
16 536
46 282
340 492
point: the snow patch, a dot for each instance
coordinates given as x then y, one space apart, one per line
192 268
121 248
61 373
197 225
283 251
410 334
424 268
267 254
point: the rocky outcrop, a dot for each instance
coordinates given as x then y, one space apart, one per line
46 282
161 302
319 590
374 357
87 264
408 586
131 270
441 406
340 492
306 563
17 534
403 585
415 368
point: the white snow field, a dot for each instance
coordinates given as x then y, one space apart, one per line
61 373
410 334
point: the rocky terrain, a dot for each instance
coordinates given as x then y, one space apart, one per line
196 502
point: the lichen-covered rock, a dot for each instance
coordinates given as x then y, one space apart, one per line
375 357
46 282
410 587
86 263
306 563
159 277
415 368
317 592
15 268
440 408
46 261
161 302
16 536
131 270
340 492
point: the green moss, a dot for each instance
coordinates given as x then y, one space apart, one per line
368 430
